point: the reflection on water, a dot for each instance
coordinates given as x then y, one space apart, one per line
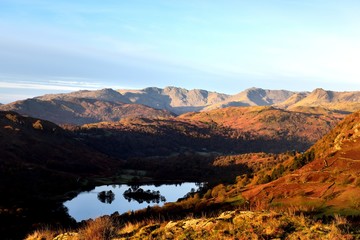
136 193
106 196
105 200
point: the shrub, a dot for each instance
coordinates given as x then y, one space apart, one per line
219 190
303 159
264 179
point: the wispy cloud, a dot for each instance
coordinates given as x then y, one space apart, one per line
18 87
59 84
38 86
12 88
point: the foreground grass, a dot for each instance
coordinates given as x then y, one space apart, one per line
227 225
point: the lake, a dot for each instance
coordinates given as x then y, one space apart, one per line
107 199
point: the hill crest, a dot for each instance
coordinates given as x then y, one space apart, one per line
65 109
254 97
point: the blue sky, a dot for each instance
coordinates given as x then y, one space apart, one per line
224 46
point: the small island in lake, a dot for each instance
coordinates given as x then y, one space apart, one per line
140 195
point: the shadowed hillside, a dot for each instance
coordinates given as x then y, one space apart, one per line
33 150
40 163
74 110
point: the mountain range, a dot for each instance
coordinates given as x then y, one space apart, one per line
84 107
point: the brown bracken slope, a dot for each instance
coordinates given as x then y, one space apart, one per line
271 123
330 182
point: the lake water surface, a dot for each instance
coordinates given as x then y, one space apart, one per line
101 201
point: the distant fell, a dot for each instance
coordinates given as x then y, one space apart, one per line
106 94
176 100
344 101
295 98
254 97
82 107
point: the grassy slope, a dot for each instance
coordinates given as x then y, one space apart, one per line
329 183
272 123
227 225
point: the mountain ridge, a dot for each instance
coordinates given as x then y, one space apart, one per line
254 97
174 99
347 101
106 94
82 107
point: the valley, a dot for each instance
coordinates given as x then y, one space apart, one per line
219 120
259 150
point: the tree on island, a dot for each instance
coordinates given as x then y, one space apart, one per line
140 195
106 196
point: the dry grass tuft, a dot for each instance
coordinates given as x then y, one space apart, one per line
42 234
98 229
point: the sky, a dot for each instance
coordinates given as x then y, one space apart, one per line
225 46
